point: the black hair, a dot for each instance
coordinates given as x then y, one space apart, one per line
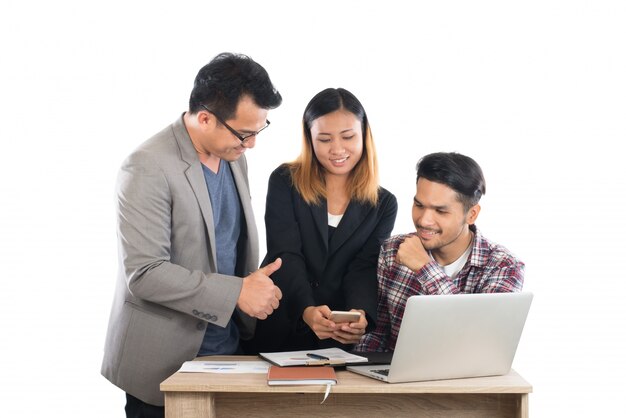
459 172
308 173
330 100
221 83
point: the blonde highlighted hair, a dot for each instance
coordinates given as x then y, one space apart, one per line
307 174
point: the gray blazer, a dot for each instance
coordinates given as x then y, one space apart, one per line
167 287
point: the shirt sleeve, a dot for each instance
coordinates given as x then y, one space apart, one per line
435 282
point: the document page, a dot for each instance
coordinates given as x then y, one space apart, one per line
225 367
325 356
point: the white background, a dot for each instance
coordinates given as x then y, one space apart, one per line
535 91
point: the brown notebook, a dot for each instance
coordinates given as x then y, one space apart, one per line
305 375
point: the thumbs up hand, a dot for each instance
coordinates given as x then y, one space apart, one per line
259 296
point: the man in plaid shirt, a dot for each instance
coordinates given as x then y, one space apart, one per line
447 254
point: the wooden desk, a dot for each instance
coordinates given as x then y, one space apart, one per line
248 395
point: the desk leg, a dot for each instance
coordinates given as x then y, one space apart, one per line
190 405
523 406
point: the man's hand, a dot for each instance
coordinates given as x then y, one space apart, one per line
259 296
316 317
411 253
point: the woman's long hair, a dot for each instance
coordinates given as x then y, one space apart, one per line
307 174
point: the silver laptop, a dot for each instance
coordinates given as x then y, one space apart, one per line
455 336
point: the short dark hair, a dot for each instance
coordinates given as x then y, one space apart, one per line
221 83
459 172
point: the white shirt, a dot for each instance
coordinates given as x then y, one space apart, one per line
333 220
453 269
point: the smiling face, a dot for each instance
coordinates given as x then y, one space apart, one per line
440 219
337 142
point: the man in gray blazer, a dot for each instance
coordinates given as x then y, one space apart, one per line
187 237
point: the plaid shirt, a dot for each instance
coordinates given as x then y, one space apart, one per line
490 268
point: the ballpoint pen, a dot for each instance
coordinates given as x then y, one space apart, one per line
316 356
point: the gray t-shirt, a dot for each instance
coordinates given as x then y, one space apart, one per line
227 222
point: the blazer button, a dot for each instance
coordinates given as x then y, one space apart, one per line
213 318
315 285
200 326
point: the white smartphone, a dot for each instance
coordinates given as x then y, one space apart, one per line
344 316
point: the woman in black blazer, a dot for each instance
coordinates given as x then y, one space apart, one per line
326 218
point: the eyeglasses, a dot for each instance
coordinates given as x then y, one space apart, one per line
243 138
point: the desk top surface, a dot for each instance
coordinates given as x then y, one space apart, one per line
347 382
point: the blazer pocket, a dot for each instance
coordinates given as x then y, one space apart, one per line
154 347
152 309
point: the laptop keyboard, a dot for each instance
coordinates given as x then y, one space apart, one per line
384 372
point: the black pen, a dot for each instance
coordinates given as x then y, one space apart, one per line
316 356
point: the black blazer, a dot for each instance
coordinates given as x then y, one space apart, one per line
340 272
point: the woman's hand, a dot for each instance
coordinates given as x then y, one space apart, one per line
351 332
317 318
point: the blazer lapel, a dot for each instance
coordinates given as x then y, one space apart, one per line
353 217
320 216
195 176
243 189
